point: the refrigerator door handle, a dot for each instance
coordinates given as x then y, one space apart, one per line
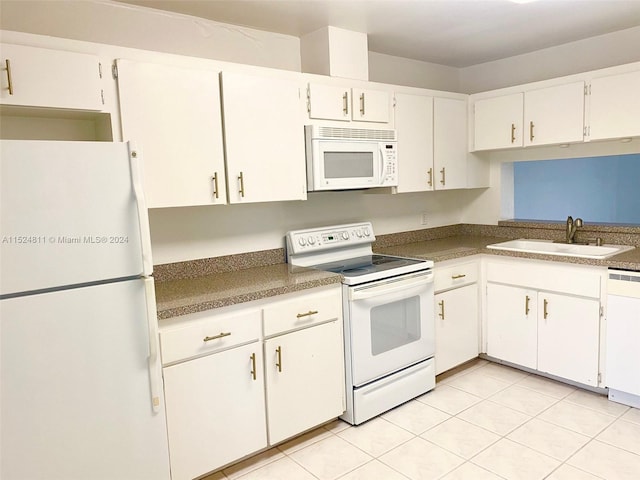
155 380
143 214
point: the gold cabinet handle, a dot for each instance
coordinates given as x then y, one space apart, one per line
241 182
430 181
443 177
527 299
345 103
441 314
456 277
513 133
546 312
362 104
279 361
308 314
215 337
215 184
531 135
253 365
7 62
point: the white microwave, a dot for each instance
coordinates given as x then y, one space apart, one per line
350 158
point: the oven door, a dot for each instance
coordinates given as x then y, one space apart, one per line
390 325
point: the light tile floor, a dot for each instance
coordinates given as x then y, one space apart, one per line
485 421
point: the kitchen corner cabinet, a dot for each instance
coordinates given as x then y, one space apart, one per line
545 317
40 77
614 110
331 102
432 136
456 314
174 115
264 138
304 362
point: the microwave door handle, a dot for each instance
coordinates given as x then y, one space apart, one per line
381 164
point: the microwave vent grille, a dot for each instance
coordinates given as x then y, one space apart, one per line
357 133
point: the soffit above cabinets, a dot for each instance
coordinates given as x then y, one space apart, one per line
458 33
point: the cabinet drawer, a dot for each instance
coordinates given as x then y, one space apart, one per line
455 276
209 334
302 311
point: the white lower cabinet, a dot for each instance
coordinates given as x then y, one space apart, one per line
456 315
545 317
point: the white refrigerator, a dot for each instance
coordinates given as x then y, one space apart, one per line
80 375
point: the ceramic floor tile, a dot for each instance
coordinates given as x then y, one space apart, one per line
622 434
449 399
337 426
523 400
502 372
421 460
376 436
494 417
253 463
550 439
374 470
478 384
415 416
470 471
607 461
577 418
282 469
546 386
330 458
597 402
304 440
514 461
567 472
633 415
460 437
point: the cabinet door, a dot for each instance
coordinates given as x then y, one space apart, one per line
327 102
450 143
174 115
215 410
414 126
554 115
568 337
305 379
498 122
456 318
40 77
512 324
264 138
615 106
370 106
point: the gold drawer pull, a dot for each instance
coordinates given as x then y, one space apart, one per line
308 314
279 360
456 277
546 311
527 299
253 365
215 337
7 62
441 305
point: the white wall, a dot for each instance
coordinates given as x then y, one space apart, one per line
413 73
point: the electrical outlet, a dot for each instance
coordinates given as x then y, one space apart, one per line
424 219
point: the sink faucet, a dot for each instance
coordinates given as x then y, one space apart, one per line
572 226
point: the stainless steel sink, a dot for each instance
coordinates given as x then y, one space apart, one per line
548 247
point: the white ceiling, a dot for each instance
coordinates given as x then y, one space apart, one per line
457 33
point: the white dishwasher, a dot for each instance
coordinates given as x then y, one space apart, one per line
623 337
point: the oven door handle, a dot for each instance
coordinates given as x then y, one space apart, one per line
387 288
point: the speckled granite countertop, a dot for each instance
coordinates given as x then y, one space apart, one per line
190 295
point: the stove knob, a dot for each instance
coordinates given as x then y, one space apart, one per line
311 240
345 235
302 242
358 233
366 231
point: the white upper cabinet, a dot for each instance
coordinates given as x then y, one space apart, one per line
450 143
554 115
331 102
498 122
615 106
264 138
39 77
173 114
414 126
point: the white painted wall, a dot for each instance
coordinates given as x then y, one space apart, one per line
413 73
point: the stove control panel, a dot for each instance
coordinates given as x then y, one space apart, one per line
326 238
